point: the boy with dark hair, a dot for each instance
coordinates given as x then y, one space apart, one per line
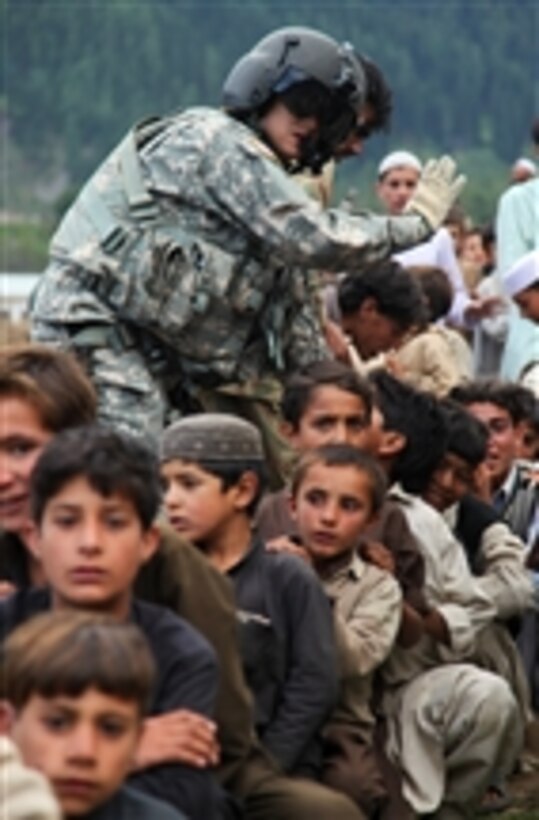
457 479
304 387
337 491
94 496
504 407
437 291
76 688
412 457
378 306
446 763
495 555
213 466
329 403
511 485
433 357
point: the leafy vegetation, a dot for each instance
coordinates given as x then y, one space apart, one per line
24 246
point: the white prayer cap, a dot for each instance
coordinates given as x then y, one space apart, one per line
526 165
523 274
398 159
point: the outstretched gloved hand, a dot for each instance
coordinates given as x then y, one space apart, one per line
436 191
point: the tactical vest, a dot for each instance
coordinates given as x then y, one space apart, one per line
129 250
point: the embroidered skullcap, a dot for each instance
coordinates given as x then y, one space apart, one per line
399 159
212 437
523 274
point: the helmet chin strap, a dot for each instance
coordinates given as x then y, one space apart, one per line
316 149
315 152
252 120
254 123
320 147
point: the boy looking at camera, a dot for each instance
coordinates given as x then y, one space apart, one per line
329 403
337 492
75 689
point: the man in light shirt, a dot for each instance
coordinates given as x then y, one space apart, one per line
398 175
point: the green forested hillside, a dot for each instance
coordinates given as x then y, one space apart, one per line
77 73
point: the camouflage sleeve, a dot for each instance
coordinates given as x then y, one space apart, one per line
305 342
271 207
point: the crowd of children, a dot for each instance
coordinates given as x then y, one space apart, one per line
360 643
180 642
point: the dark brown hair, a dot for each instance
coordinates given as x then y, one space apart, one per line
302 385
66 653
112 461
343 455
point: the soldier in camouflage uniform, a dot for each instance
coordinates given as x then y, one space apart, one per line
180 273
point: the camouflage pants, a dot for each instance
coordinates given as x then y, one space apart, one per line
133 397
129 396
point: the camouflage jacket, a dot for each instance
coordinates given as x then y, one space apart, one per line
192 233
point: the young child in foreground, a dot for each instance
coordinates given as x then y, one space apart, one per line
95 494
337 492
75 688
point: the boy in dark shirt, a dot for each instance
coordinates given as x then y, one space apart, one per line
77 687
44 391
94 497
212 466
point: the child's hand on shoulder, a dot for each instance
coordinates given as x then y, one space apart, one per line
373 552
286 544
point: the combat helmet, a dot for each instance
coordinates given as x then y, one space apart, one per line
286 58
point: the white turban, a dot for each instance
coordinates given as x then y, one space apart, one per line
523 274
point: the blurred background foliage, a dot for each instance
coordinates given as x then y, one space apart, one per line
76 74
